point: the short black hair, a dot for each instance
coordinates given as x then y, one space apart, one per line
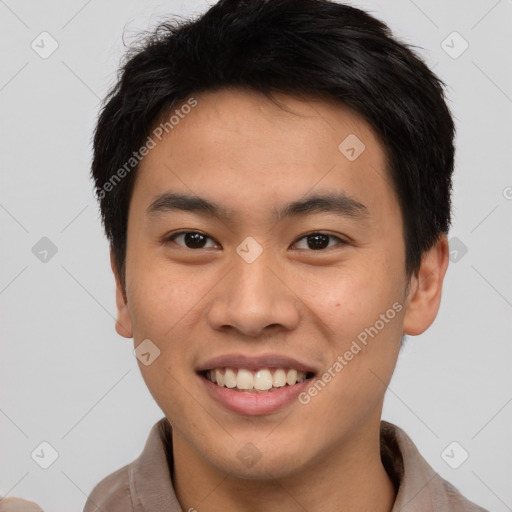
315 48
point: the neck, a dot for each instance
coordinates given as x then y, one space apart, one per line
350 479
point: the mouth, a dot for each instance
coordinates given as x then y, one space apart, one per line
250 385
264 380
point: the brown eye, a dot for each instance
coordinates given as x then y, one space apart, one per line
192 240
318 241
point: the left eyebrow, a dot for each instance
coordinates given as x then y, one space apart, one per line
338 203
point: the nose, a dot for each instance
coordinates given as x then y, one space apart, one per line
254 299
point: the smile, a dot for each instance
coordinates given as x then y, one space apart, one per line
255 384
259 381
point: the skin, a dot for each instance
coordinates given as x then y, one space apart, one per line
240 150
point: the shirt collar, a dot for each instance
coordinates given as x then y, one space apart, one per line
149 475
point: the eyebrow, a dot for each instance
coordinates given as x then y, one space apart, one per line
337 203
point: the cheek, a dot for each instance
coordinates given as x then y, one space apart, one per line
165 306
163 301
165 387
349 298
361 312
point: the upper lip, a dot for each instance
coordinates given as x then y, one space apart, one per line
255 362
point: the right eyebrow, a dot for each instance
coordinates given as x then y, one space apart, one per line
191 203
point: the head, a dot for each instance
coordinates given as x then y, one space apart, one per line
274 180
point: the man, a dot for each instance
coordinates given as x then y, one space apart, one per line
274 180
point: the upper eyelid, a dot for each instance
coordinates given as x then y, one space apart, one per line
184 232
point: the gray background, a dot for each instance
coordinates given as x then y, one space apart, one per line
67 378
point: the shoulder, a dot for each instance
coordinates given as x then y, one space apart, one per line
456 501
419 486
135 486
112 494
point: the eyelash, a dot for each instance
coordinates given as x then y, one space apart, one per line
171 238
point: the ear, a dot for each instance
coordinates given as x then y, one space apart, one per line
124 321
425 288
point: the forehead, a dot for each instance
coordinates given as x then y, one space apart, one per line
243 148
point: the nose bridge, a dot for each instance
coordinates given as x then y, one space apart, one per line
253 282
252 298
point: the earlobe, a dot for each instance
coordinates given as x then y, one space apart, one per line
123 322
425 289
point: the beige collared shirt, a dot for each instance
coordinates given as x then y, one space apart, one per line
145 485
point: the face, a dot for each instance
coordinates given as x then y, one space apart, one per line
265 249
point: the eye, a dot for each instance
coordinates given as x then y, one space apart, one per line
318 241
191 240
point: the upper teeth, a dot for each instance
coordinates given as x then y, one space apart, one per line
260 380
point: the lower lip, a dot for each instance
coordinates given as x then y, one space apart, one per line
254 404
